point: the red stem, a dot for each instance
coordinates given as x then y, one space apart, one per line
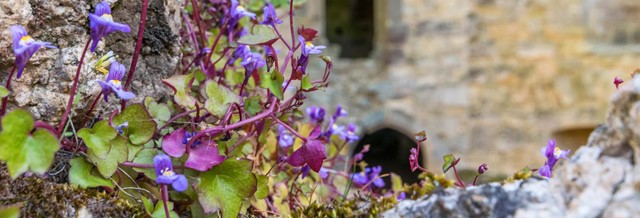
136 53
475 180
8 86
165 198
304 139
93 105
458 176
196 14
72 95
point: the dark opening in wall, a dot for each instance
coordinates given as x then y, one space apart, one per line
350 24
389 148
572 138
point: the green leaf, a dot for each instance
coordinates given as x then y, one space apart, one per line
117 154
98 138
273 82
306 83
180 86
226 186
263 187
448 161
159 210
252 105
22 149
261 35
219 98
146 157
396 183
3 92
141 126
12 211
80 174
160 112
148 204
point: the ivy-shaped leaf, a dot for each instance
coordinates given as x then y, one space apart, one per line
80 174
306 83
226 186
23 149
158 212
219 98
98 138
180 86
273 82
261 35
252 105
160 112
117 154
449 160
141 126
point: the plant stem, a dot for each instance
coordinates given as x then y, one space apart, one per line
286 126
8 86
93 105
144 166
136 53
458 176
475 180
196 15
165 198
74 88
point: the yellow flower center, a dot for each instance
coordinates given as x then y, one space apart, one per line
107 17
240 8
557 152
26 38
167 172
308 44
116 83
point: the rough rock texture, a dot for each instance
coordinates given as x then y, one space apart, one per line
602 179
44 86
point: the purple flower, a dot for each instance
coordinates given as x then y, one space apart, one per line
240 52
101 24
113 85
349 134
238 11
402 196
270 16
24 47
374 175
251 62
120 128
285 138
361 178
166 175
202 156
308 47
482 168
323 173
369 175
316 114
553 154
305 170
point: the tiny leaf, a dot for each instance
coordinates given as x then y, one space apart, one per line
448 162
306 83
252 105
180 86
3 92
226 186
273 82
141 126
261 35
219 98
80 174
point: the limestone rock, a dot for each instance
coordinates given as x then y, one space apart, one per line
44 86
600 180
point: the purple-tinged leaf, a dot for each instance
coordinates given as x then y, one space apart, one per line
172 143
204 156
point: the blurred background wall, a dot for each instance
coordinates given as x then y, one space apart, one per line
489 80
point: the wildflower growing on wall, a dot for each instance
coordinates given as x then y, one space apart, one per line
307 49
104 62
617 81
113 84
101 24
24 47
166 175
316 114
270 16
553 154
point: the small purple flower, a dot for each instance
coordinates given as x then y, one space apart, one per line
101 24
361 178
113 85
252 61
482 168
270 16
238 11
375 172
120 128
240 52
323 173
349 134
305 170
316 114
24 47
166 175
553 154
401 196
309 48
285 138
368 175
339 112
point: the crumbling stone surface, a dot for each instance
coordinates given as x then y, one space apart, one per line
45 84
601 179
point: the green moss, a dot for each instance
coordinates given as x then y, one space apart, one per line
360 206
523 174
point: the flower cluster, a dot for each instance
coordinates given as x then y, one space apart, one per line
369 175
553 154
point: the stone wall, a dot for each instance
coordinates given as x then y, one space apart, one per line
490 80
